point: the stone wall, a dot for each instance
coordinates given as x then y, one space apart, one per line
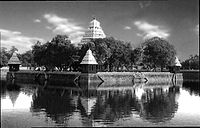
120 78
40 77
161 77
108 78
127 78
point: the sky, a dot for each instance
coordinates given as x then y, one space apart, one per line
22 23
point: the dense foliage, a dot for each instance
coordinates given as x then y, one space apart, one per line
55 53
191 63
113 54
157 52
27 59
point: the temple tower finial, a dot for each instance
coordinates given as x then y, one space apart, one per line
93 17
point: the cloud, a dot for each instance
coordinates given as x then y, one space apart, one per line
149 30
37 21
14 38
48 27
127 27
60 25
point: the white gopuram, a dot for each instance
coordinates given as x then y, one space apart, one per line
94 31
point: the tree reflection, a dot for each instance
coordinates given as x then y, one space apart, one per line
3 88
106 104
57 104
192 87
155 104
158 105
115 104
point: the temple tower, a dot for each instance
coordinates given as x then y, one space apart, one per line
94 31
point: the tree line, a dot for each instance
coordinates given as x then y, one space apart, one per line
112 54
191 63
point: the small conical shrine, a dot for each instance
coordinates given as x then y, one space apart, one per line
89 58
14 62
94 31
177 62
89 63
175 67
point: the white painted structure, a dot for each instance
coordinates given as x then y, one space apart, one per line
14 59
89 63
94 31
177 62
89 58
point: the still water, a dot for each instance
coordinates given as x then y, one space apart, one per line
32 105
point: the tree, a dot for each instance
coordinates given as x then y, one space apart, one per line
120 54
55 53
191 63
13 49
102 52
4 56
136 56
39 51
27 59
157 52
114 54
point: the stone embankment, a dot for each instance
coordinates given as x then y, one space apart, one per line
105 78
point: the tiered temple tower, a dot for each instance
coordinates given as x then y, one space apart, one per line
94 31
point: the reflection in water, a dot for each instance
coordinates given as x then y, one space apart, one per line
13 95
57 103
3 89
14 98
105 105
158 105
114 105
192 87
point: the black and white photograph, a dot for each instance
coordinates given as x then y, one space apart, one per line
99 63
